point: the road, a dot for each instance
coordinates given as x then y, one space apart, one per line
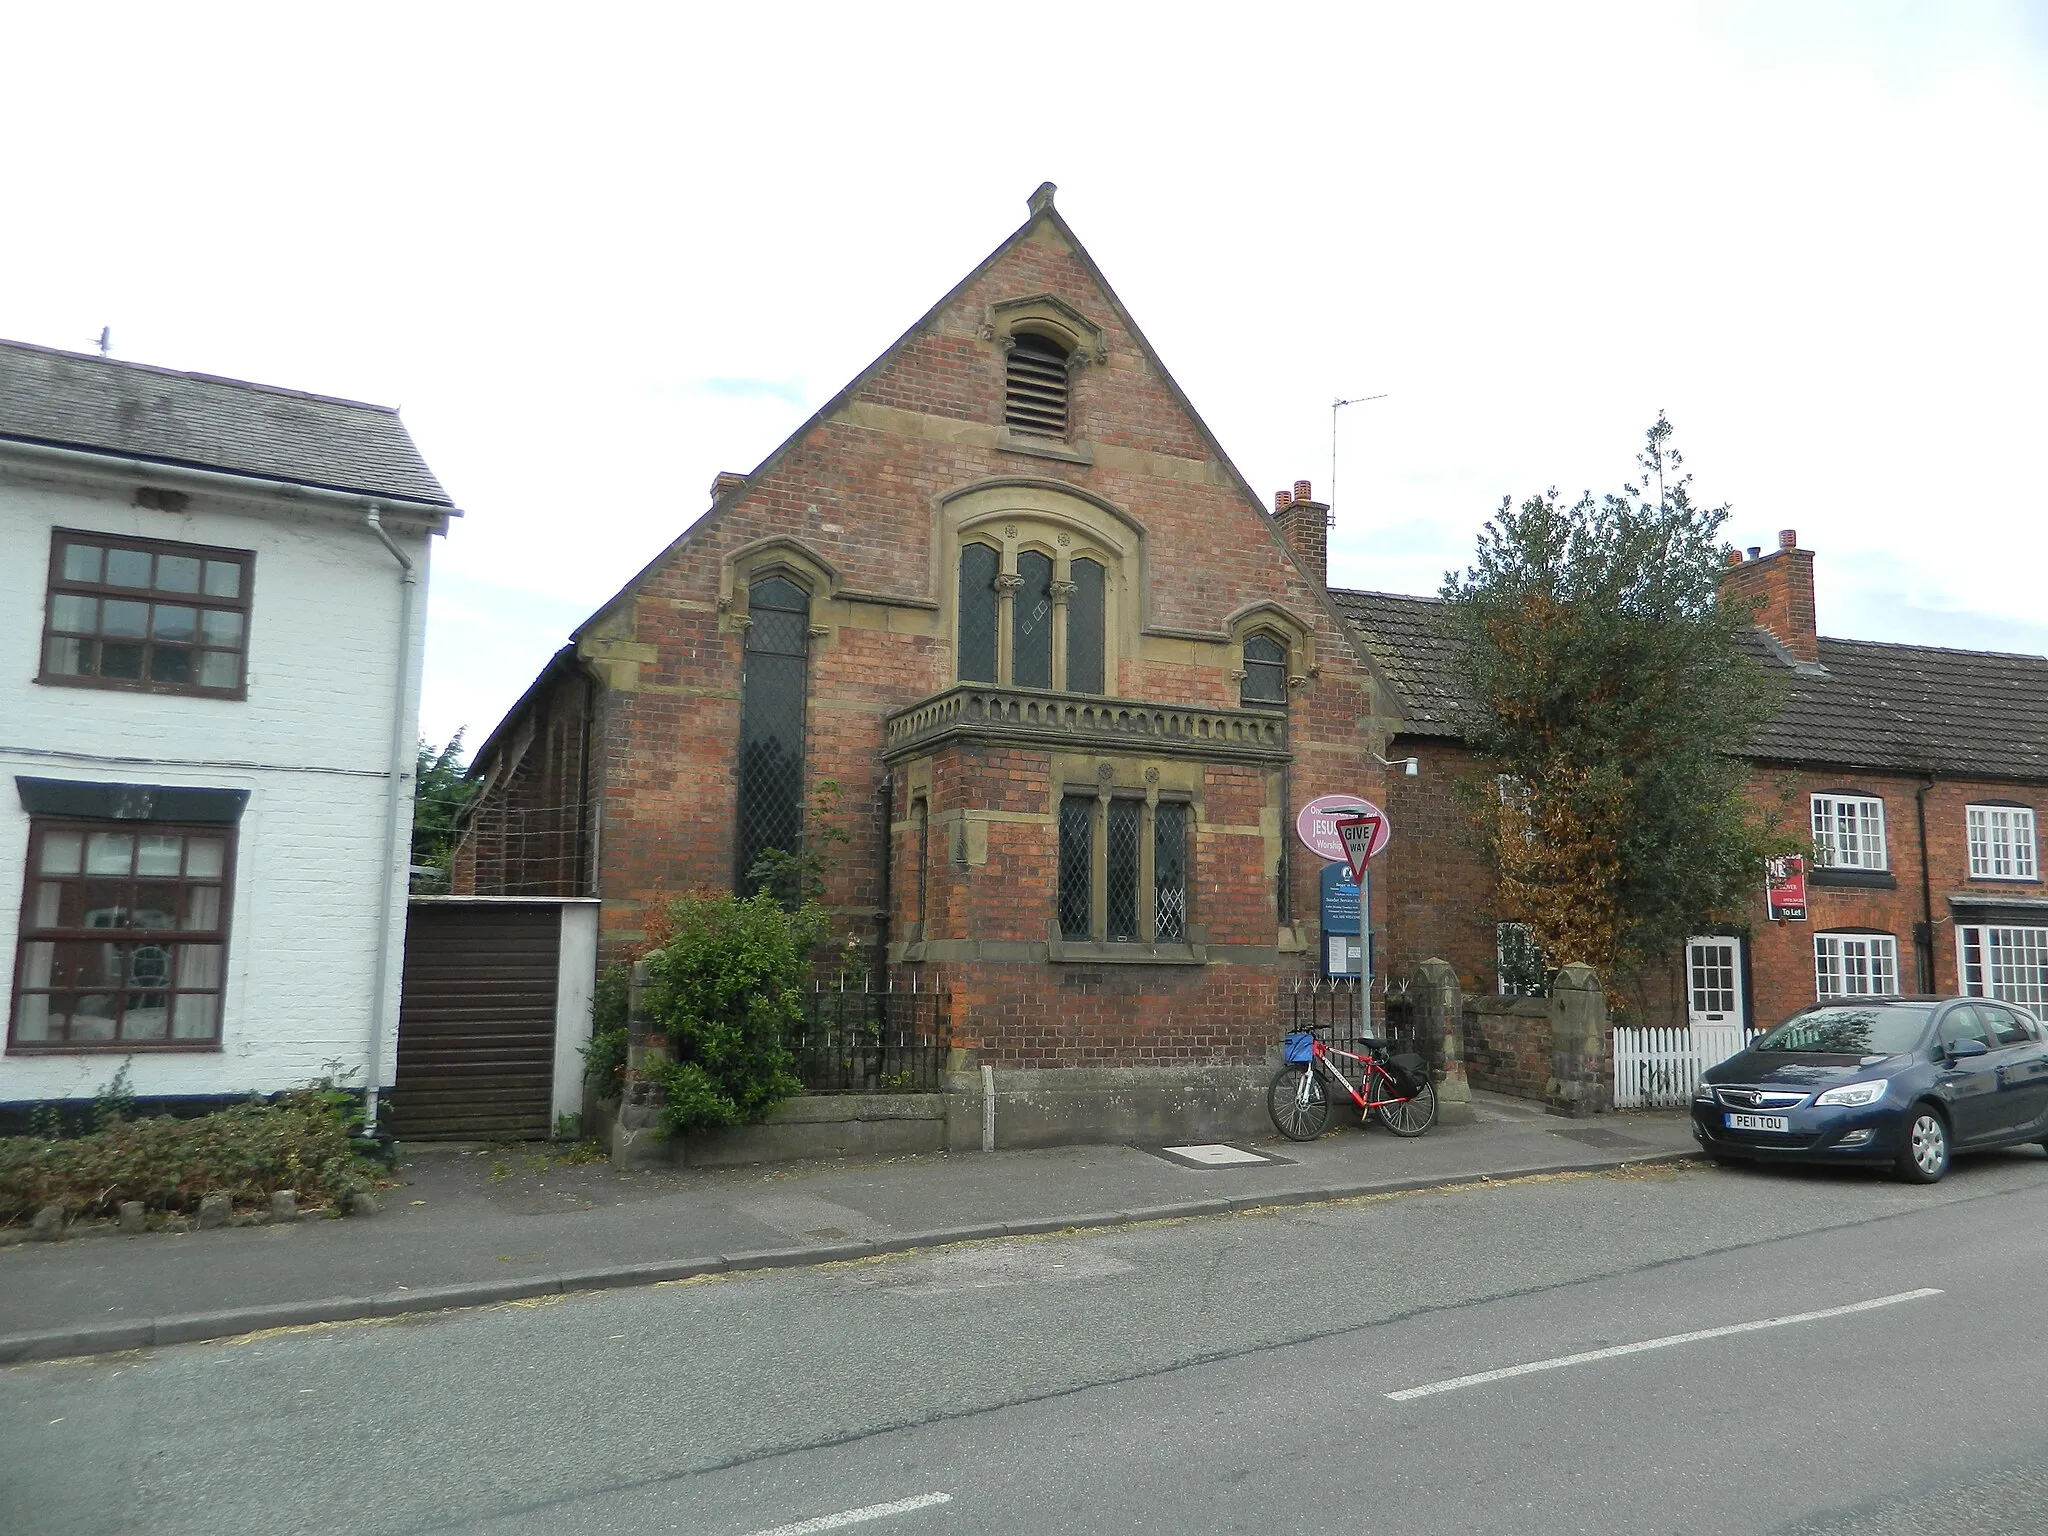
1225 1374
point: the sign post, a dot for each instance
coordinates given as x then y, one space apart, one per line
1348 830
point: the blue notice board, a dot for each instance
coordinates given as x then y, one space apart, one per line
1343 921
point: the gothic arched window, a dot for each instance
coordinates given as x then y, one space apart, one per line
772 689
1265 670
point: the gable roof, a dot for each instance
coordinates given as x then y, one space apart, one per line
1041 211
195 420
1897 708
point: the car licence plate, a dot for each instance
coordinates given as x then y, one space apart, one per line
1758 1123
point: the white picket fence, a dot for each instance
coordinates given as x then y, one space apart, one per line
1659 1068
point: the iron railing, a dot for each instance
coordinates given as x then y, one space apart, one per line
864 1039
1330 1004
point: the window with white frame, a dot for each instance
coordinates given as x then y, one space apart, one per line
1848 832
2002 843
2010 964
1855 965
1518 962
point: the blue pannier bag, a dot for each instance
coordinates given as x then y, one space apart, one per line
1301 1048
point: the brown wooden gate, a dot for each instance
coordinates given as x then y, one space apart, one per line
476 1022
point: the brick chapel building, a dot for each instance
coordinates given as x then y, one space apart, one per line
1010 594
1922 774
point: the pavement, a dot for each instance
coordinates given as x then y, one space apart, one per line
472 1226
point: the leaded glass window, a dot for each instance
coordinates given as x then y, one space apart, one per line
1265 671
1121 876
1031 623
1170 872
980 606
1077 864
1085 609
772 688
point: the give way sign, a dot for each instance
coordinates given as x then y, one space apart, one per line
1359 834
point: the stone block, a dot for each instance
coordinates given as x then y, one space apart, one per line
48 1225
133 1217
214 1211
284 1205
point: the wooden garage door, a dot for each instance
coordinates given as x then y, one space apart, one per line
476 1022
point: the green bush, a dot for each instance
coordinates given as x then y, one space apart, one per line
300 1141
604 1058
724 991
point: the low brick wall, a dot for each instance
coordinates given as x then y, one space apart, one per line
1507 1045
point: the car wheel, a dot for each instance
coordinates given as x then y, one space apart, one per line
1924 1158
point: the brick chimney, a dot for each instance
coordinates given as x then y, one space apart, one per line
1780 585
1305 525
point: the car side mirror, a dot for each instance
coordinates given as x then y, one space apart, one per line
1958 1049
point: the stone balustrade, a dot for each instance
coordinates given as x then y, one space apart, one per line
1084 721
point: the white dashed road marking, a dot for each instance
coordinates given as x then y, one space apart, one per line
857 1516
1481 1377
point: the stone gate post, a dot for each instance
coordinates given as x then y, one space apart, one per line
1439 1005
1579 1066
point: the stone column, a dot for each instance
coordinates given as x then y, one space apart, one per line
1579 1082
638 1136
1440 1019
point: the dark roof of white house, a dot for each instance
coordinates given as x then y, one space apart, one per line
133 411
1906 708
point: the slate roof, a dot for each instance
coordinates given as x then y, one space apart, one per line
101 405
1403 635
1913 708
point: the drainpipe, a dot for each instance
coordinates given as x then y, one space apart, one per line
1923 939
403 766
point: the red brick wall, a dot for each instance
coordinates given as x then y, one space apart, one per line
1507 1045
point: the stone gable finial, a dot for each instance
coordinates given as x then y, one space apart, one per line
1042 198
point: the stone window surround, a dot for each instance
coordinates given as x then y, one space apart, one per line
1060 522
777 556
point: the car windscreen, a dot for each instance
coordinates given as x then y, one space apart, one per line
1870 1030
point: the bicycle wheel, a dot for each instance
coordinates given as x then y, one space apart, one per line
1299 1101
1410 1117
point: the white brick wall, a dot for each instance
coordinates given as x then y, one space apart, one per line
311 744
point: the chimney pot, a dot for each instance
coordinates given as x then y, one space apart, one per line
1756 551
1788 538
1302 490
1282 500
1734 557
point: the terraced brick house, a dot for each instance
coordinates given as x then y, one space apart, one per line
1921 772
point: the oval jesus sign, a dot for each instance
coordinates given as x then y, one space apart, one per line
1316 826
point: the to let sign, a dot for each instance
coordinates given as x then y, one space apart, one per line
1785 888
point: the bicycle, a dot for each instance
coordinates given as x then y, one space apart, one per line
1299 1099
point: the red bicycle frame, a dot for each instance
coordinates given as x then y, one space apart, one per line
1320 1055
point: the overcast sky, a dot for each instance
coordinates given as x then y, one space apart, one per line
597 254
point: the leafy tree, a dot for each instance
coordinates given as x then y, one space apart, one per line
724 992
440 791
1610 693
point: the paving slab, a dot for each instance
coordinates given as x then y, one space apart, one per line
470 1226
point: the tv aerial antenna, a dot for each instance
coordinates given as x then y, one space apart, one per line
105 342
1335 407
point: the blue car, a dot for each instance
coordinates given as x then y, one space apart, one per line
1900 1081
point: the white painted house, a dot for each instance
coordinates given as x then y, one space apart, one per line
212 611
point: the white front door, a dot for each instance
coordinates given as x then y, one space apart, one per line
1713 995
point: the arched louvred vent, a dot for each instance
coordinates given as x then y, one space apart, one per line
1035 393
